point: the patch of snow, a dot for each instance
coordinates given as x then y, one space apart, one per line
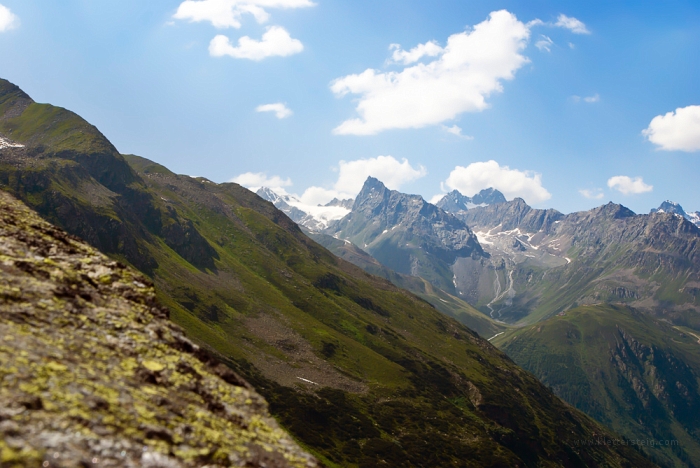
5 143
385 231
482 237
494 336
568 260
306 380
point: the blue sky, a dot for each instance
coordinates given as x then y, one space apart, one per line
552 110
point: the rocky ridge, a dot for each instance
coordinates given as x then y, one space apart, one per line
406 233
93 372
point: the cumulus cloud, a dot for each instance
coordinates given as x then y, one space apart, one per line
429 49
352 175
255 180
511 182
276 42
456 131
227 13
592 194
8 20
463 75
628 185
545 43
281 110
676 131
572 24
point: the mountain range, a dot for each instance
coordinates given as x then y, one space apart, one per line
360 372
611 298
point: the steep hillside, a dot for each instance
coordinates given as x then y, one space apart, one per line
637 375
407 234
361 372
93 372
551 262
441 300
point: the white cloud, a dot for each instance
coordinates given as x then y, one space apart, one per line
592 194
511 182
629 186
676 131
8 20
456 131
587 99
228 13
572 24
276 42
545 43
352 175
467 71
255 180
281 110
429 49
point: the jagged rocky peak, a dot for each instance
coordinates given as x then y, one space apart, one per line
670 207
266 193
454 202
347 203
489 196
613 210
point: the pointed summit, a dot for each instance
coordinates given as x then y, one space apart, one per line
454 202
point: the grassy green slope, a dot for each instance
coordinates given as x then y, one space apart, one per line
636 374
442 300
361 372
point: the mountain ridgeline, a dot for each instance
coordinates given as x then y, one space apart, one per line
362 373
407 234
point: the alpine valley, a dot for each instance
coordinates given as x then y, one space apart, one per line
627 287
376 356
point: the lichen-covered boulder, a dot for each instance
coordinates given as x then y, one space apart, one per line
92 372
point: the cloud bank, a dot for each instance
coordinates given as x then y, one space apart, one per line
463 75
227 13
276 42
511 182
628 185
676 131
8 20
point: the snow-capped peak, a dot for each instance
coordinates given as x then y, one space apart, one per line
314 218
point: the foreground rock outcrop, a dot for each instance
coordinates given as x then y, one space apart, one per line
92 372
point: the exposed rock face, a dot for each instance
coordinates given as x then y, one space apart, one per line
607 254
92 371
406 233
454 202
674 208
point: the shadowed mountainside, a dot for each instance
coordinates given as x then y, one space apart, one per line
636 374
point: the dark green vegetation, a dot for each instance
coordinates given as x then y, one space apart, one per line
94 373
361 372
636 374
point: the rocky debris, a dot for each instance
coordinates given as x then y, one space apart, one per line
92 372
